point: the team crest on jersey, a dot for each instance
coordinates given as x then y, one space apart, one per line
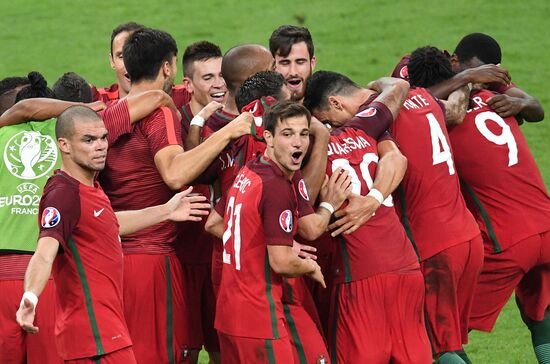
30 155
367 113
50 217
303 190
404 73
285 220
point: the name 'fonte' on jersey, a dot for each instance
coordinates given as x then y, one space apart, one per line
347 145
415 102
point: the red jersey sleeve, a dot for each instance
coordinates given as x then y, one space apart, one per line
59 213
117 120
162 129
374 119
278 214
500 88
302 195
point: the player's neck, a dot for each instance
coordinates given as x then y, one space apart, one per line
230 106
195 106
363 95
121 92
84 176
142 86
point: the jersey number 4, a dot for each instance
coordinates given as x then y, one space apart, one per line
441 153
233 229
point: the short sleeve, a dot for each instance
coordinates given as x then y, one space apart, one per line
162 129
278 213
59 213
302 195
117 120
374 119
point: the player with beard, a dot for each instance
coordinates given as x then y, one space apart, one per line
202 78
79 241
293 51
377 315
269 217
143 169
492 158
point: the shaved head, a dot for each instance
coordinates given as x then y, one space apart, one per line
243 61
65 126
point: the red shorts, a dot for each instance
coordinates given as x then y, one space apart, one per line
154 308
450 278
524 267
244 350
121 356
16 346
199 296
380 319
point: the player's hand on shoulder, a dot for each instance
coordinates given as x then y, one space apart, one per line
186 207
336 189
488 73
505 105
25 316
97 106
358 211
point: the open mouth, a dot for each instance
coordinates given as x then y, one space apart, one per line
294 83
127 76
297 157
218 96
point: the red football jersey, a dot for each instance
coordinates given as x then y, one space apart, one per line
502 184
429 201
180 96
132 181
105 94
262 207
88 269
380 245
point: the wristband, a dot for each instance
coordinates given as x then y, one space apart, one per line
31 297
327 206
377 195
198 121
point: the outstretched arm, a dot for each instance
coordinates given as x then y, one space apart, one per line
313 171
392 92
516 102
37 275
181 207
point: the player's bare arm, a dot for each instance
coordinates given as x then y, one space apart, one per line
214 224
393 92
389 173
37 275
487 73
178 168
284 261
194 137
313 171
334 192
516 102
181 207
40 109
142 104
456 105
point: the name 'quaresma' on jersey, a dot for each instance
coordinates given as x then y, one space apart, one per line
502 184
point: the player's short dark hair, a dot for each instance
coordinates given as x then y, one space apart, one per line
281 111
64 127
10 83
284 37
429 66
479 45
72 87
199 51
323 84
129 27
265 83
145 51
38 87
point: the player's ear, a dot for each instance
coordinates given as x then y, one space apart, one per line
63 145
268 137
334 102
188 84
111 61
313 63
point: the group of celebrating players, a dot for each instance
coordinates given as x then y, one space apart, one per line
413 205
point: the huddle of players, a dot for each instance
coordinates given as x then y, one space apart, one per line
380 293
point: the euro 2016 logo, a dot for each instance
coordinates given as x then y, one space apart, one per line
50 217
285 220
30 155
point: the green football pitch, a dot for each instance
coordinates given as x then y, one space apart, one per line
363 39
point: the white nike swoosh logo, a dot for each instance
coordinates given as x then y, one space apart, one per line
97 213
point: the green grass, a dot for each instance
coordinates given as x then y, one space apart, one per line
363 39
